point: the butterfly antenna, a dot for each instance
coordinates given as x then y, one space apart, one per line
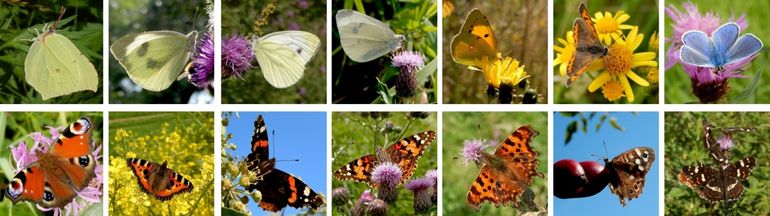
605 149
61 14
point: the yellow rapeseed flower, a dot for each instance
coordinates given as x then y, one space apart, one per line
620 61
609 26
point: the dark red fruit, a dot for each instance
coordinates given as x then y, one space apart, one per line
569 178
597 178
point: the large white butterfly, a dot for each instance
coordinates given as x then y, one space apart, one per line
154 59
282 55
364 38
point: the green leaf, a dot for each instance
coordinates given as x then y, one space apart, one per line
429 69
571 129
750 89
614 123
94 209
233 212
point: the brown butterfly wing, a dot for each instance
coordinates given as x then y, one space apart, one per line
629 171
495 187
518 154
588 48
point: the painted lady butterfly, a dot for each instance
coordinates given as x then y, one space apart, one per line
507 174
158 180
278 188
628 172
54 179
405 153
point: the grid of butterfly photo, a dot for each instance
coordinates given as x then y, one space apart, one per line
274 163
721 163
610 159
714 52
493 53
606 52
384 163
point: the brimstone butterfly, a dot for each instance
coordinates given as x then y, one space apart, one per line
154 59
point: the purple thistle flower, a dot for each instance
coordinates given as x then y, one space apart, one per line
236 56
710 84
692 19
725 142
340 196
387 175
203 62
359 209
473 150
433 174
423 191
378 207
409 63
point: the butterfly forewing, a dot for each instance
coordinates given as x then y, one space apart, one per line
588 47
629 171
474 42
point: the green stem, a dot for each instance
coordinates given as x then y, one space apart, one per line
200 197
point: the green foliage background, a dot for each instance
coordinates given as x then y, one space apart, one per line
16 126
135 16
184 140
678 85
643 13
353 137
374 81
239 17
520 28
81 23
684 146
457 176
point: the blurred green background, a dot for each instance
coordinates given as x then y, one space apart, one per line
493 127
304 15
374 81
16 127
684 146
678 85
21 20
643 13
136 16
520 28
355 136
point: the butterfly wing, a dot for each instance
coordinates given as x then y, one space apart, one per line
629 171
279 189
364 38
154 59
518 154
705 181
723 38
282 56
259 144
406 153
496 187
697 49
73 149
741 169
359 170
588 47
474 42
149 175
55 67
746 46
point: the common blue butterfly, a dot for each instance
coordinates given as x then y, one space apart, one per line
723 47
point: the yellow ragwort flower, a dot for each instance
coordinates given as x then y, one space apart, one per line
652 75
620 61
609 26
564 54
505 70
653 44
612 90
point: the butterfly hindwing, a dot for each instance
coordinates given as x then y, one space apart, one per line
628 172
588 47
280 189
158 180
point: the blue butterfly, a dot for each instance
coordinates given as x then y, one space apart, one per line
723 47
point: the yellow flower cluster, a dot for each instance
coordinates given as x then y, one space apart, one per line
189 151
618 66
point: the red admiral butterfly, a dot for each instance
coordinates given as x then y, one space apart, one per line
278 188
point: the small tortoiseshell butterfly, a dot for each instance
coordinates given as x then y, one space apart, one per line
158 180
405 153
54 179
278 188
507 174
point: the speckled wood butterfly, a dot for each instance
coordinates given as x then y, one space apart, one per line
628 172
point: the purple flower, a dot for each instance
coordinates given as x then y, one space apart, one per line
303 4
387 176
293 26
473 150
423 190
203 62
710 84
91 194
378 207
409 63
340 196
236 56
692 19
359 209
725 142
433 174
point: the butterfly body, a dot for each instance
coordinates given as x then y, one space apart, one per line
404 153
508 173
365 38
628 172
279 189
722 183
588 47
54 179
158 180
724 46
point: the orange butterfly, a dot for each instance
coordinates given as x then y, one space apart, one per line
508 173
158 180
588 47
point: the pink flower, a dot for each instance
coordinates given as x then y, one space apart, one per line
473 150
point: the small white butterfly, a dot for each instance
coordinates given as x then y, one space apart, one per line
282 55
364 38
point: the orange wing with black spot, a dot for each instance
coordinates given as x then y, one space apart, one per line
405 153
158 180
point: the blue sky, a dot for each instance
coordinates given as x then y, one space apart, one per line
640 130
298 135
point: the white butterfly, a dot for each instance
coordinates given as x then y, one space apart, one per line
154 59
364 38
282 55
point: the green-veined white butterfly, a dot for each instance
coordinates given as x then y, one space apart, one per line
154 59
55 67
282 55
364 38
